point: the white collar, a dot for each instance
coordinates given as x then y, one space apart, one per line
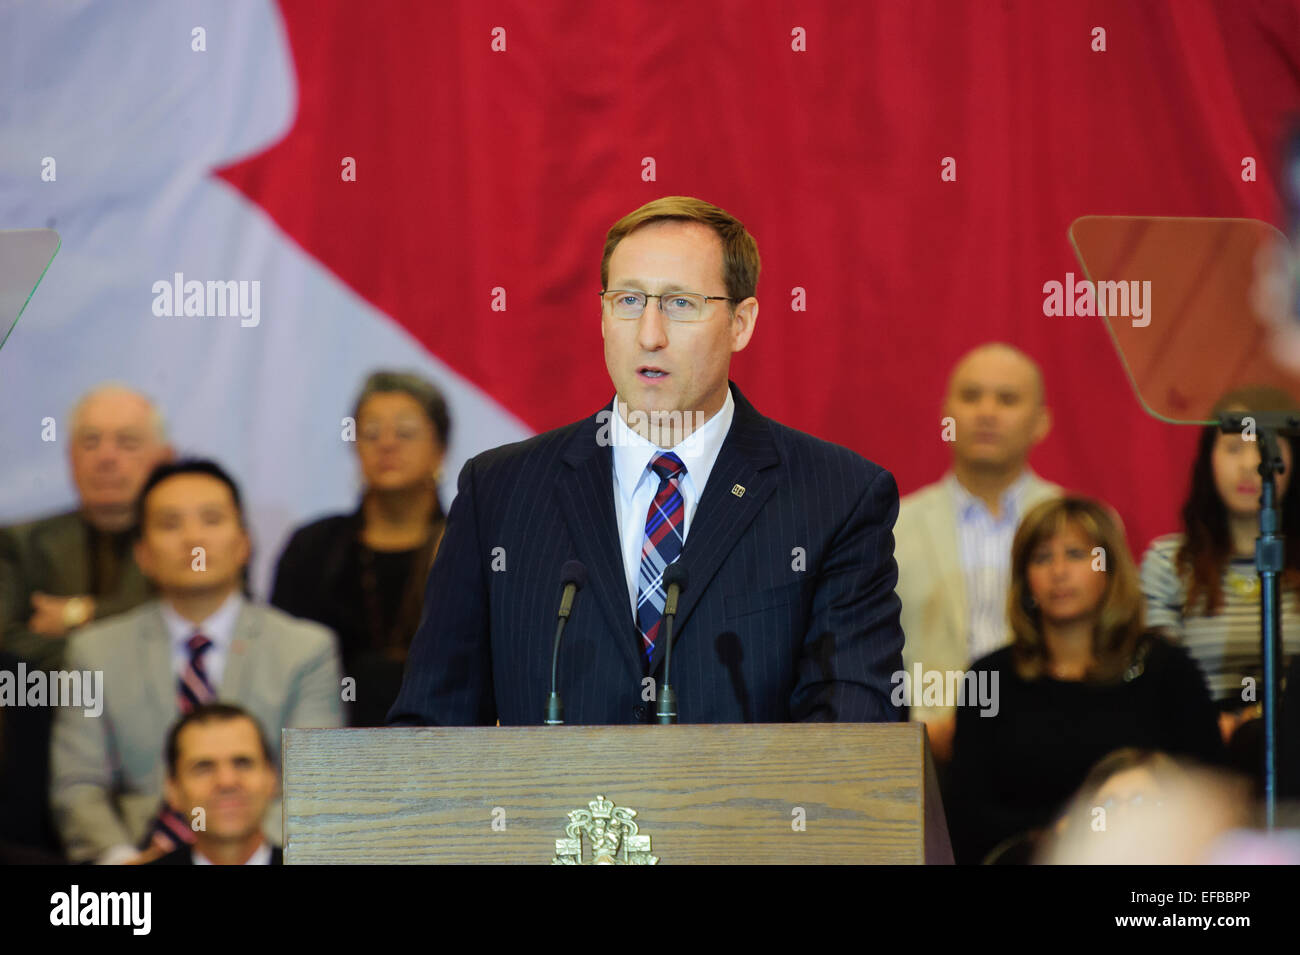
219 628
699 451
261 856
1008 503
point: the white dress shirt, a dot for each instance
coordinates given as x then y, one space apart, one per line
635 484
219 628
984 543
261 855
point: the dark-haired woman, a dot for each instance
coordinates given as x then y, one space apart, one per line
1082 677
1201 586
363 574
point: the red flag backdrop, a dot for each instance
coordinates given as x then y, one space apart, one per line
480 168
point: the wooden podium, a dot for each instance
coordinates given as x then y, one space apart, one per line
733 793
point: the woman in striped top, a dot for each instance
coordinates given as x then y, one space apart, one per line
1201 586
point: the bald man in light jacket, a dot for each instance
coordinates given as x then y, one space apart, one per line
953 537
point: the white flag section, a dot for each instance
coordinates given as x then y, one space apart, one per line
112 125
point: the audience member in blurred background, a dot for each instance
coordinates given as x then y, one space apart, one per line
953 537
1142 807
1082 677
221 775
363 574
202 641
26 829
1289 729
58 573
1200 584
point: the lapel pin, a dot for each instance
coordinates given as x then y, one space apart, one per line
738 490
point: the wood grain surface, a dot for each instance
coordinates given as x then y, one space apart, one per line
704 794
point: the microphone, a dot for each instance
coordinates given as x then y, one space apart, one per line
674 584
573 577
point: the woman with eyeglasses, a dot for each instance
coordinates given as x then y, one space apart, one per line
363 574
1201 585
1083 676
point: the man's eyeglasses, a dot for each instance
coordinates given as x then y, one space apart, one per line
628 304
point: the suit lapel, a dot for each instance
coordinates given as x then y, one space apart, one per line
742 479
234 679
1036 492
947 550
134 587
586 495
156 657
64 547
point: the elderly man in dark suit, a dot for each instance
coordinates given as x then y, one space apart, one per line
61 572
788 612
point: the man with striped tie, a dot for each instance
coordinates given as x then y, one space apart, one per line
788 612
201 642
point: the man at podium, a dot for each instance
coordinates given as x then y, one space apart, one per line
783 543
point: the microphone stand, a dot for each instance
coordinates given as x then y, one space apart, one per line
666 714
575 577
554 708
1270 561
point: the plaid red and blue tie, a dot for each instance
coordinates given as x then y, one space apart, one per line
170 830
665 527
194 688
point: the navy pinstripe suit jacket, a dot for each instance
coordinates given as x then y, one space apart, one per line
789 614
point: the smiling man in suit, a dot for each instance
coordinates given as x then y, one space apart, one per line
201 642
789 611
221 769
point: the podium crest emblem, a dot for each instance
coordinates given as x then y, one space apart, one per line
611 835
